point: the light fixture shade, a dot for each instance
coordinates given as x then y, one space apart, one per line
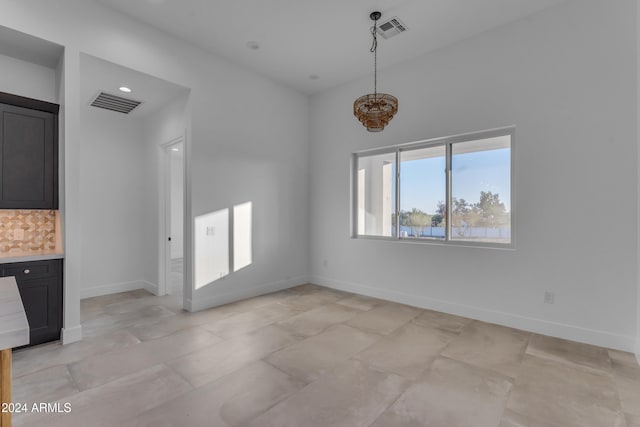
375 110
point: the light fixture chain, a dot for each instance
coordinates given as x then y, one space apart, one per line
374 49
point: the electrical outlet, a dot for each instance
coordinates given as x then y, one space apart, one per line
325 263
549 297
211 231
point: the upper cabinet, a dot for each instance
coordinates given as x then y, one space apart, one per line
28 153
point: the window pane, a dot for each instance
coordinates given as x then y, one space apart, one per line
423 192
481 190
376 195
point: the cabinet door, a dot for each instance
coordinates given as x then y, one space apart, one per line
40 286
28 159
42 302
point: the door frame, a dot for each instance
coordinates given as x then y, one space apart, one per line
164 245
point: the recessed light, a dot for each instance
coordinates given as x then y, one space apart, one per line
125 89
253 45
314 76
175 149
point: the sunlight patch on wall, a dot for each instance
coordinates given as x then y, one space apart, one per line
211 247
242 236
223 238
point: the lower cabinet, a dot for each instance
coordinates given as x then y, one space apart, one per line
40 286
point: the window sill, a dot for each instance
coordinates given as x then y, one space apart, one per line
436 242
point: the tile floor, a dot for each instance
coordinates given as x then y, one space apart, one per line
312 356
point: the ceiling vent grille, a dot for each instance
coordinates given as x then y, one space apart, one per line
114 103
391 28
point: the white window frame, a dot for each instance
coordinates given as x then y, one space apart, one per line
448 142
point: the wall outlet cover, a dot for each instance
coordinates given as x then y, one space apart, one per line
549 297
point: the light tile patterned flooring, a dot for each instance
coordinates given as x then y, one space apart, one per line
312 356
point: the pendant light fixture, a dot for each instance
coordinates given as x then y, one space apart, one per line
375 110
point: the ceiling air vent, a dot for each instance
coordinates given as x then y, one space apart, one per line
114 103
391 27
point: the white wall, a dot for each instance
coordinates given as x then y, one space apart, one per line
566 79
112 190
120 188
248 141
255 151
27 79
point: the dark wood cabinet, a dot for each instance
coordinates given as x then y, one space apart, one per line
28 153
40 286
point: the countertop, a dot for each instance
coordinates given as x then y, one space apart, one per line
30 256
14 328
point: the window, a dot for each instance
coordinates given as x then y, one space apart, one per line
455 189
376 194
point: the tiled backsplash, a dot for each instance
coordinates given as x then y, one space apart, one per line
27 231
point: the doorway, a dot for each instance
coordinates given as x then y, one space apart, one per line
173 233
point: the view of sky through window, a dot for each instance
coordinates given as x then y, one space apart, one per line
479 206
423 180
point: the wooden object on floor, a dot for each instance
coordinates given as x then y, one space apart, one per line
5 386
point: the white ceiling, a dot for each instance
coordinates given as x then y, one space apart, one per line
99 75
328 38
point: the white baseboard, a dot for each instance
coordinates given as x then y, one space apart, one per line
151 287
114 288
544 327
203 303
71 334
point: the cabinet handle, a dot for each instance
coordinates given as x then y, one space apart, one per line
27 271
